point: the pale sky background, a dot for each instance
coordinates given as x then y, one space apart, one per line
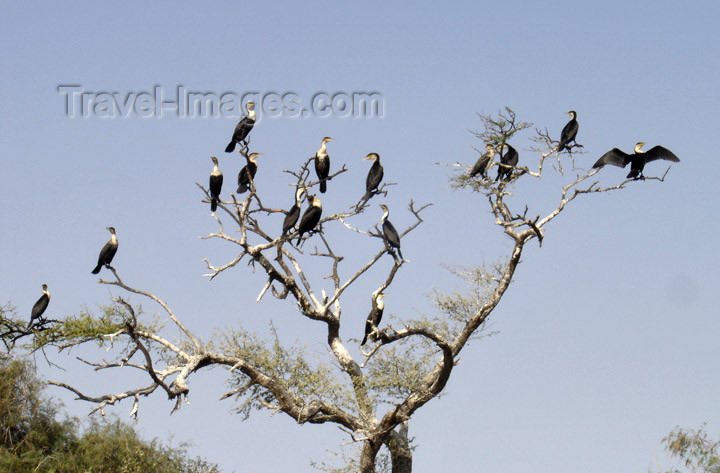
607 338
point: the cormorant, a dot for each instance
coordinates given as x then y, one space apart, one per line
310 218
374 317
375 175
292 215
484 163
247 173
40 306
242 128
108 252
322 164
391 235
216 180
638 159
569 132
510 158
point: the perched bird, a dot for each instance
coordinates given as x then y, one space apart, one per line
242 128
310 218
374 317
510 158
569 132
322 164
391 235
40 306
484 163
247 173
637 160
293 214
108 251
375 175
216 180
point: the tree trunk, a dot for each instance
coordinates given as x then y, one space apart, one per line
400 452
368 456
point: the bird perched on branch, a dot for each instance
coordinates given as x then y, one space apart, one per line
569 132
374 177
374 317
242 129
484 163
637 160
310 218
322 164
247 173
40 306
392 238
292 215
510 158
216 180
108 251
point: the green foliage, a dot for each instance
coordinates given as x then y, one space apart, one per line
32 439
80 328
391 380
289 365
694 449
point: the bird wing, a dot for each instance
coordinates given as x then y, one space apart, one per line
39 307
511 156
658 152
391 234
569 131
615 157
480 164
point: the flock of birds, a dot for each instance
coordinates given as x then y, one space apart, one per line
307 224
311 217
637 160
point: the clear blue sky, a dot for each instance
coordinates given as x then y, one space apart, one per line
608 337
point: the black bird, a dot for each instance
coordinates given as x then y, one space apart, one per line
40 306
242 128
375 174
293 214
484 163
391 235
638 159
374 177
216 180
108 251
322 164
374 317
569 132
310 218
247 173
510 158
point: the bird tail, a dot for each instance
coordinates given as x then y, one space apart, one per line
230 147
323 186
561 146
213 205
400 254
97 269
241 188
364 340
298 241
365 198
